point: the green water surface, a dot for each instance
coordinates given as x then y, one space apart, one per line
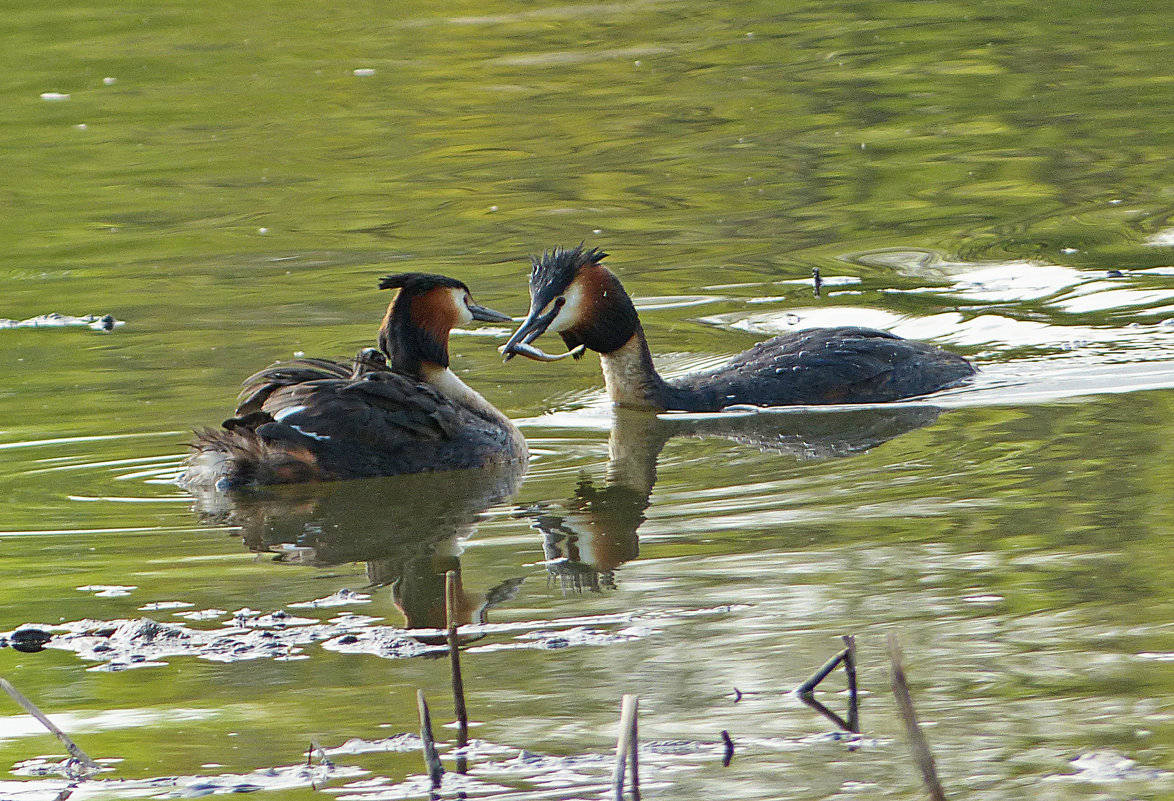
231 180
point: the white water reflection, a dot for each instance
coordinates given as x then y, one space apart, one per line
88 721
1162 239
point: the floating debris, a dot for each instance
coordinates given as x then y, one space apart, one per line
105 322
566 638
55 96
1109 766
249 634
201 614
251 618
341 598
107 590
382 641
52 766
285 777
27 640
400 743
163 605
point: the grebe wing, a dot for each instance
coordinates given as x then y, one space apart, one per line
263 383
837 365
379 410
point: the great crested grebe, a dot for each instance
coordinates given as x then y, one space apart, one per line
392 411
574 295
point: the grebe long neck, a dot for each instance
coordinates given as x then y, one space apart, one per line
412 349
631 377
445 382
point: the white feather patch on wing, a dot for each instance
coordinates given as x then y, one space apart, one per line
310 434
286 412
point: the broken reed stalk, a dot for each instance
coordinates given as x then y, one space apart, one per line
806 687
921 753
626 745
728 756
74 751
454 659
850 669
323 759
431 758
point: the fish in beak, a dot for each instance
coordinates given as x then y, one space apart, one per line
539 355
534 326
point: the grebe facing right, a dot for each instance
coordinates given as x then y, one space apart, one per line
396 410
574 295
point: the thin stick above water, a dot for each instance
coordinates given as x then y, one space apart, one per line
454 658
431 758
850 669
821 674
922 756
74 751
626 745
729 749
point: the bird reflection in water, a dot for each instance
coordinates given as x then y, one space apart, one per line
588 537
409 530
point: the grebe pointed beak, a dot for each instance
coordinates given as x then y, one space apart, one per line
487 315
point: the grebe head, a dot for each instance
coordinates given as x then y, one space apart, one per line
420 316
575 296
368 360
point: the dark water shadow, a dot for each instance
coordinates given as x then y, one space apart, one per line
588 536
407 529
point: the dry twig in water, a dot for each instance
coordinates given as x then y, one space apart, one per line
728 756
431 758
626 745
806 687
74 751
454 658
850 669
921 753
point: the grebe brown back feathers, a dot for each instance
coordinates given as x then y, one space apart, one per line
398 411
574 295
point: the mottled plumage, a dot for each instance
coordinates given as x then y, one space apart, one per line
820 366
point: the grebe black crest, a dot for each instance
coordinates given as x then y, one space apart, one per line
575 296
398 409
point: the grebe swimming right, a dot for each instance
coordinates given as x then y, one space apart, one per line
392 412
573 294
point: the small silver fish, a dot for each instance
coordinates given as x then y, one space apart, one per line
531 352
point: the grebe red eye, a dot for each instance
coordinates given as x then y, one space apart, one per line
554 306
